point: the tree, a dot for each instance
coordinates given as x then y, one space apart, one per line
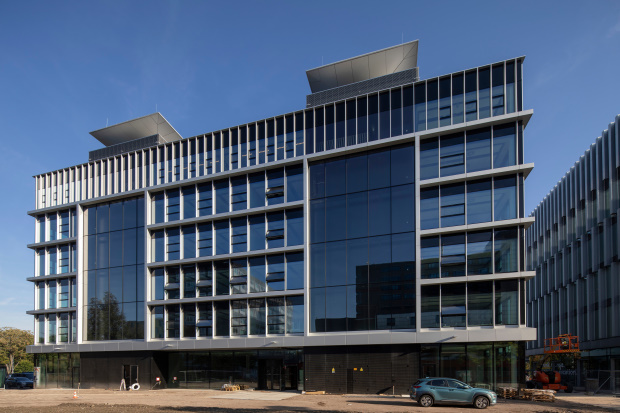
24 366
13 342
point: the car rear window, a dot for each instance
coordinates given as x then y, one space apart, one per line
440 383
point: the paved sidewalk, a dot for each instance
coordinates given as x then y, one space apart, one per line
215 401
605 401
255 395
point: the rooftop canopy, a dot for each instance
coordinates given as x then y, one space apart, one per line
356 69
154 124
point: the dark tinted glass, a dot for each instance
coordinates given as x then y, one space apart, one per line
294 227
479 201
317 180
294 183
453 255
384 111
396 112
335 263
116 216
373 118
257 232
379 211
335 218
329 127
479 253
429 158
357 173
335 177
257 190
294 271
478 150
452 154
504 146
357 215
402 208
429 208
480 303
430 307
221 196
317 221
402 166
379 169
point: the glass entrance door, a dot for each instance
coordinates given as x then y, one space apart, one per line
130 374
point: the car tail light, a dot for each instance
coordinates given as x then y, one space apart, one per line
416 387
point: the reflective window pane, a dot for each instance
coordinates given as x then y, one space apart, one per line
479 201
506 256
453 305
479 253
480 303
505 198
452 154
506 302
453 255
478 150
452 205
429 251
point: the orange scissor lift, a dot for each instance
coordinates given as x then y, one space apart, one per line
563 344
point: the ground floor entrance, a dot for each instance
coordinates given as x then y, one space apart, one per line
364 369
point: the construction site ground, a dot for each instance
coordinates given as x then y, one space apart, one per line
175 401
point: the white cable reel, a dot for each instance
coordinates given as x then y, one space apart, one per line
135 386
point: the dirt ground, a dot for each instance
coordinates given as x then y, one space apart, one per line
175 401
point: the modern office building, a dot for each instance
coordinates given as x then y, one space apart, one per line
573 247
372 237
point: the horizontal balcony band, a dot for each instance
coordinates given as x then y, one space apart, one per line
524 222
526 275
52 311
487 173
61 241
263 294
226 256
225 215
52 277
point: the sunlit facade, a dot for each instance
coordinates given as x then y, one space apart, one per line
373 237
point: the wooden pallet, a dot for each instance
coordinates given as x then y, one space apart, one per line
538 395
230 387
508 392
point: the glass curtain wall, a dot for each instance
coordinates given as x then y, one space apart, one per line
362 238
114 270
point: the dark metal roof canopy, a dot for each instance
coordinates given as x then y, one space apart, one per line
371 65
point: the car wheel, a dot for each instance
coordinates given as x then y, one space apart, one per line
481 402
426 400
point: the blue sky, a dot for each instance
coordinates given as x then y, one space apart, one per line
68 67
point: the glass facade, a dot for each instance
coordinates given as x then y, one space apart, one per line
302 242
362 239
113 285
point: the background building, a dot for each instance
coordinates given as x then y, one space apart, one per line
352 246
573 247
